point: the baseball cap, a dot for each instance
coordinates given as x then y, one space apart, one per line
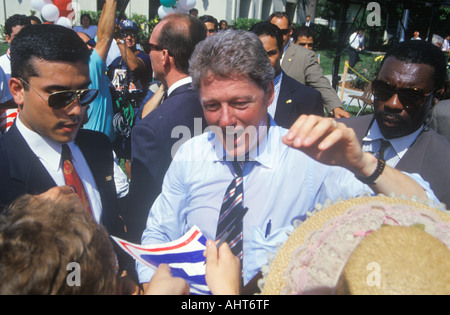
128 25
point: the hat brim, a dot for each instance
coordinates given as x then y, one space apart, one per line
275 280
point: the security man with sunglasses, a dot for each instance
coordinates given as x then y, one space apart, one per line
411 78
45 147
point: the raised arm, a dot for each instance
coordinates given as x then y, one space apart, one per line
332 143
106 27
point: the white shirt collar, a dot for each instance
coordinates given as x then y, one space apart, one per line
400 145
178 84
45 149
263 154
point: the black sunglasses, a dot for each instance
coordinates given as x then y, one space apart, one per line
91 43
62 99
285 31
409 97
157 48
126 34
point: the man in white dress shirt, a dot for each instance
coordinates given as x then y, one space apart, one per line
284 175
50 80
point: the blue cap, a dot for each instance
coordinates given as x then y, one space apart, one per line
128 25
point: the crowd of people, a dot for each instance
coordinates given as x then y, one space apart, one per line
211 127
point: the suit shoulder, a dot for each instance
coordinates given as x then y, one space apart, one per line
93 139
92 134
301 86
437 140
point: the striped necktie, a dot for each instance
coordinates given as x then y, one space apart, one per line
72 178
230 223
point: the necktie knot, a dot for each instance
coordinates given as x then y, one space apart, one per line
238 166
66 154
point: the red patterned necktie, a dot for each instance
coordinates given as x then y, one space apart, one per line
72 178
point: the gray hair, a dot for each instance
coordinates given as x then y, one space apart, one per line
229 54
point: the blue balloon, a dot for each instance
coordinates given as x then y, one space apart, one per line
168 3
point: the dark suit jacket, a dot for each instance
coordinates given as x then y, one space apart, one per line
152 150
21 172
427 156
294 100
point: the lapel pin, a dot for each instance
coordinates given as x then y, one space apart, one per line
109 178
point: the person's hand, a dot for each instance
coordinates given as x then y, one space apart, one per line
163 283
222 270
327 141
339 112
58 192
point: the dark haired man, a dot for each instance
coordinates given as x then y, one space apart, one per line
412 75
45 146
292 98
301 64
304 36
211 24
8 109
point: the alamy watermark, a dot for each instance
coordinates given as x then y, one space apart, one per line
229 139
374 277
374 17
73 279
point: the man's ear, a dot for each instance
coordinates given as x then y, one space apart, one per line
8 39
17 91
166 57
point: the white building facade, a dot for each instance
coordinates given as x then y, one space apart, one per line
228 10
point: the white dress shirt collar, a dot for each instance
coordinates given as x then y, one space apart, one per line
263 153
45 149
277 86
400 144
178 84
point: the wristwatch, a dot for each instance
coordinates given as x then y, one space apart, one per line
370 180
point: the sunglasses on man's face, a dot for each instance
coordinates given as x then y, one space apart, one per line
91 43
62 99
285 31
126 34
409 97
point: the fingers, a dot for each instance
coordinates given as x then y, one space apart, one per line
222 269
211 253
313 130
163 283
56 192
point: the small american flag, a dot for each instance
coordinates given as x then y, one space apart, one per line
184 256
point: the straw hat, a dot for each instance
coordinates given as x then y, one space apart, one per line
326 253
